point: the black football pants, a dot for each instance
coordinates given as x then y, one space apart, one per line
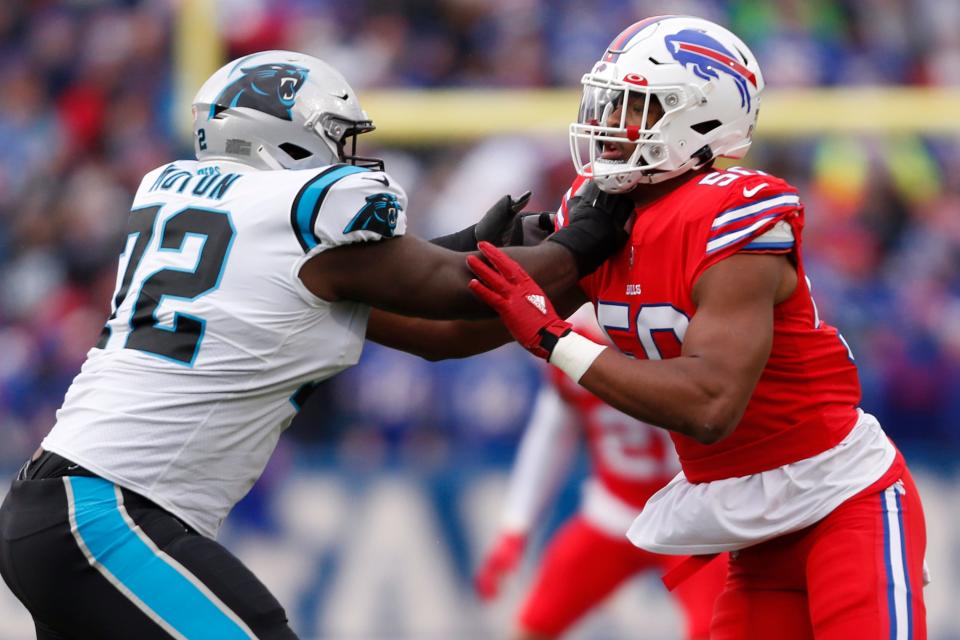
90 560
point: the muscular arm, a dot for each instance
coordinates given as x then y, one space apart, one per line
410 276
704 392
436 339
443 339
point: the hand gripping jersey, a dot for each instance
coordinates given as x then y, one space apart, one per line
805 401
214 342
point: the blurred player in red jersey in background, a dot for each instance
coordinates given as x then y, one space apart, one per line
590 556
719 341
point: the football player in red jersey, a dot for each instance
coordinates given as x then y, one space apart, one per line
589 557
718 340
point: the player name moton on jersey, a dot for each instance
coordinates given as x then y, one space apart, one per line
209 182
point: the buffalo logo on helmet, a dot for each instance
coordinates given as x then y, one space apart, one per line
708 57
378 215
270 88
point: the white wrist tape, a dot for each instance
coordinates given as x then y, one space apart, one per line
574 354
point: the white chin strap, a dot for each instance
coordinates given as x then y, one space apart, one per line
627 181
618 182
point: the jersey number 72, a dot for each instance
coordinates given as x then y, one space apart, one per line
179 342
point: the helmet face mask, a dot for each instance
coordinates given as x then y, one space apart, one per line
279 110
703 80
340 130
604 122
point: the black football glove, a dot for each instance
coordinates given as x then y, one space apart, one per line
498 226
596 228
505 226
529 229
498 223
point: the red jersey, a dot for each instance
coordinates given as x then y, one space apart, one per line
805 401
631 459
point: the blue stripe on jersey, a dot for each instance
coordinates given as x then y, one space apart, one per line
768 246
306 205
744 221
728 238
744 211
119 552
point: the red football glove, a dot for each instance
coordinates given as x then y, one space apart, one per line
502 560
525 310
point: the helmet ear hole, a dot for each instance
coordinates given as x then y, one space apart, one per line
705 127
742 56
295 151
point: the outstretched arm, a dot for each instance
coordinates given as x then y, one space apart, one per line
704 392
436 339
410 276
444 339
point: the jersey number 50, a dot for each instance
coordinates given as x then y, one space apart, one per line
652 322
179 342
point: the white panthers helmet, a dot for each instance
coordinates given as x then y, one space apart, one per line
706 81
278 110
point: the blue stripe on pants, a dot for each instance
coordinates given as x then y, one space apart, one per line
906 569
899 596
891 607
118 550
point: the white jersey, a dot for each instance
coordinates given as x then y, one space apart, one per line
214 342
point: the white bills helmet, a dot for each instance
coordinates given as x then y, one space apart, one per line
704 78
279 110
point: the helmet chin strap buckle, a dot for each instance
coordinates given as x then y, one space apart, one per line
268 159
703 155
311 122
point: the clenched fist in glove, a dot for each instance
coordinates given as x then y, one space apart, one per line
502 560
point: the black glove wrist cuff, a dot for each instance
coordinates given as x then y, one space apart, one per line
590 248
463 240
596 229
548 340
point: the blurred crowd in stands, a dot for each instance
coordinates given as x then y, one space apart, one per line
86 109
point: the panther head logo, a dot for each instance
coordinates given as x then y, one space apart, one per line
270 88
379 215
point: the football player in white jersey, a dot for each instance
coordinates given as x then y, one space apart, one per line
247 276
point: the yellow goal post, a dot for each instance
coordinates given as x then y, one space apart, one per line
436 117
